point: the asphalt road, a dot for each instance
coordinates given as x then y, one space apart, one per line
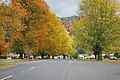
61 70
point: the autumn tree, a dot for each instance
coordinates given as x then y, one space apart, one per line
39 29
98 25
5 25
49 35
9 21
2 41
59 41
35 29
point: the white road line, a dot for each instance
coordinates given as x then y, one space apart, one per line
32 67
44 63
7 77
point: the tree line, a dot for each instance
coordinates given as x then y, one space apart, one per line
30 25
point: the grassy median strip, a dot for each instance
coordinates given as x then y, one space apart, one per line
4 66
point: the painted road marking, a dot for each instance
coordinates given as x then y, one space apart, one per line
32 67
7 77
44 63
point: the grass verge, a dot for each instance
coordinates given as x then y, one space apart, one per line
7 60
4 66
103 61
112 61
15 60
24 60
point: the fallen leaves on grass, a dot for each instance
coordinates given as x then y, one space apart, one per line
4 66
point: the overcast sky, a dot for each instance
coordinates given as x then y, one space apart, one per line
64 8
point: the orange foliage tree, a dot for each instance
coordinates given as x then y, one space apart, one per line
50 36
9 21
4 27
38 29
59 41
2 41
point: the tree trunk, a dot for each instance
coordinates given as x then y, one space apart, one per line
52 57
64 56
21 56
95 55
98 51
99 57
42 56
48 56
34 56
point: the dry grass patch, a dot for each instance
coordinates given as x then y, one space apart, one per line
112 61
103 61
23 60
4 66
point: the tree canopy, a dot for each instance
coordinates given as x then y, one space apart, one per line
98 25
31 25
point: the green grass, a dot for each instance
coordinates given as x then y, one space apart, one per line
4 66
7 60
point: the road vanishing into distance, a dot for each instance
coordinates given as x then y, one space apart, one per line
61 70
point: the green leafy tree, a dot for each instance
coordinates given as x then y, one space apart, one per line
98 25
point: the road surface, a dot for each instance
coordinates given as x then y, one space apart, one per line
61 70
